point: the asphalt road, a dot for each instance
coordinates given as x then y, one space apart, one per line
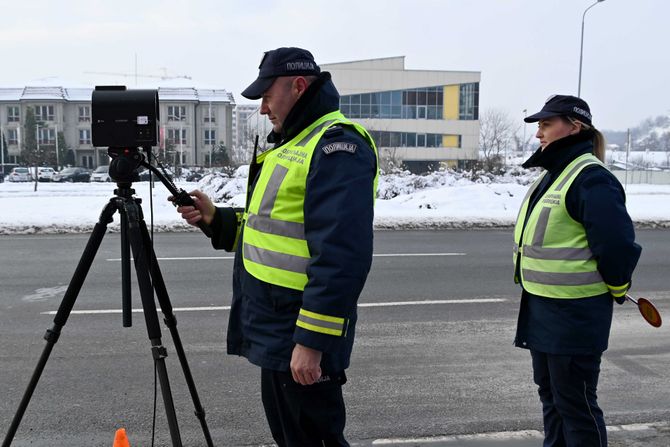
433 354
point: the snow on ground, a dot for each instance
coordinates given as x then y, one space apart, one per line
438 200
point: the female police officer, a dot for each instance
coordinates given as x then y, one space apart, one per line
574 252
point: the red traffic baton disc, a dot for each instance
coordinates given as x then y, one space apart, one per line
649 312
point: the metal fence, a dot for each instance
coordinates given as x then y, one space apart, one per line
643 176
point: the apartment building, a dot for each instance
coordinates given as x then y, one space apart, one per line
192 122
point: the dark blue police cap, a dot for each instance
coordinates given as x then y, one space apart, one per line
283 61
563 105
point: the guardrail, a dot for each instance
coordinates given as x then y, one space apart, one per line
640 176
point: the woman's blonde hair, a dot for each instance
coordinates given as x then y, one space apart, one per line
598 138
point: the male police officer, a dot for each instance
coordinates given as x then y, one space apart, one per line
303 248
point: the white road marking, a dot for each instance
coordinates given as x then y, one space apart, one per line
45 293
216 308
508 435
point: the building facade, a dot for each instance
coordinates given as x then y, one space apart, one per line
192 122
249 123
421 119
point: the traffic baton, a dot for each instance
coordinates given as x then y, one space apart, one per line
647 310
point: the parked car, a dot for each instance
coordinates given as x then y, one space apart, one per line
5 169
72 175
19 175
44 174
193 176
144 175
101 174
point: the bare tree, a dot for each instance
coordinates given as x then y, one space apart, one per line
496 133
389 159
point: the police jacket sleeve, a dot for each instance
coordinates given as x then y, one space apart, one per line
597 200
339 213
225 228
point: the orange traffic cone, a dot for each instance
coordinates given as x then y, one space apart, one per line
120 439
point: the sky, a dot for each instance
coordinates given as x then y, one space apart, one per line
525 50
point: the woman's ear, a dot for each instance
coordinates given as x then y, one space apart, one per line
576 127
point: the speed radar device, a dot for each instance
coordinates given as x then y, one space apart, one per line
124 118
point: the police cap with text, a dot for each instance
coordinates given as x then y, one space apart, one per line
285 61
563 105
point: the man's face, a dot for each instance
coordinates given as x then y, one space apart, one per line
278 100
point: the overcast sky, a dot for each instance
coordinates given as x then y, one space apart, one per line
525 49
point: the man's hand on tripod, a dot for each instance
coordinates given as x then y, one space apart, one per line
202 210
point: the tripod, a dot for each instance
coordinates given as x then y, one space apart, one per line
135 236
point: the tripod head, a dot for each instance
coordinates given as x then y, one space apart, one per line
123 169
125 164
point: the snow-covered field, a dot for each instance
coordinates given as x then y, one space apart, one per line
439 200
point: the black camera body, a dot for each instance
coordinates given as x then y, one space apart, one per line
124 118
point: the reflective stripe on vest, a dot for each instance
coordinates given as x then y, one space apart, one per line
275 249
555 259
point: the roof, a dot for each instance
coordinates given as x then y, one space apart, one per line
57 93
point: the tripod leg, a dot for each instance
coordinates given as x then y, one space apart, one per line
159 352
126 302
63 313
171 322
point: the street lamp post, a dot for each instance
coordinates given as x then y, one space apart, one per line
581 48
523 143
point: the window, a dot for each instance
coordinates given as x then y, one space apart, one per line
411 139
173 136
84 114
468 104
421 103
176 113
210 136
44 113
210 115
13 114
46 136
84 136
12 136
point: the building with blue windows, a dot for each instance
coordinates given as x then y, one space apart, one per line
423 119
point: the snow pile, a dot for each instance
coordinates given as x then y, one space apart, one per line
223 187
403 182
439 200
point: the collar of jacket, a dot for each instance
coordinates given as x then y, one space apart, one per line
558 154
320 98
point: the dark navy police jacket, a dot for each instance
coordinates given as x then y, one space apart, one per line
596 200
338 212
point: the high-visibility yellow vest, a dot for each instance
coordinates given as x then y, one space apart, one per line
275 249
554 255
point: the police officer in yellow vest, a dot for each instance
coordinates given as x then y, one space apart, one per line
303 248
574 254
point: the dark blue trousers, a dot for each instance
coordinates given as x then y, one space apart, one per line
567 387
304 416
